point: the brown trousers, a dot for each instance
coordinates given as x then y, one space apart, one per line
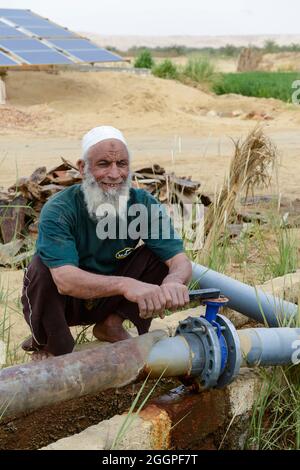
49 314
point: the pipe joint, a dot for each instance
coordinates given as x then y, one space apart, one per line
216 357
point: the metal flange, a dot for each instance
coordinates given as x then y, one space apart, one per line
208 337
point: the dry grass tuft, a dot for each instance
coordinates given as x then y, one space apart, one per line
252 166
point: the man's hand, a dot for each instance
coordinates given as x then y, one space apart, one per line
153 299
174 284
176 294
149 297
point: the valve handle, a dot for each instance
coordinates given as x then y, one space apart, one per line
201 294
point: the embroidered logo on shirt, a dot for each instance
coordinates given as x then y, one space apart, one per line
124 252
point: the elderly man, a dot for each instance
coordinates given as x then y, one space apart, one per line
80 276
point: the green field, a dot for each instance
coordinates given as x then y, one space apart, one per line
260 84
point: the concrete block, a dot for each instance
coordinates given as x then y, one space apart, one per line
148 430
242 392
180 419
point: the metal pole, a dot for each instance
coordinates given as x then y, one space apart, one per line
253 303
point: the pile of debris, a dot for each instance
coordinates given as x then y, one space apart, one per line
167 187
15 118
21 204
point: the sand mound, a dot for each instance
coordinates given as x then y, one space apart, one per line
71 102
91 92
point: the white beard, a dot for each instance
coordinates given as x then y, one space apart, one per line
95 197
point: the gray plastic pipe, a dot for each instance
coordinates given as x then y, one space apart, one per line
258 347
270 346
253 303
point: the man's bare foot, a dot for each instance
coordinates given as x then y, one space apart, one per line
40 355
111 329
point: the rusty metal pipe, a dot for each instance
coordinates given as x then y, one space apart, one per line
27 387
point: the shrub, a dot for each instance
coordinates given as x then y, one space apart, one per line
144 60
199 70
166 69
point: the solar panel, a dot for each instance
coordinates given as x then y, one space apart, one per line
95 56
47 57
61 43
85 50
36 24
9 12
50 32
34 51
5 60
30 21
18 45
74 44
9 32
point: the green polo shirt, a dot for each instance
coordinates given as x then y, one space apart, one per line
68 235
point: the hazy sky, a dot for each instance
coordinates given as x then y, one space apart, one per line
169 17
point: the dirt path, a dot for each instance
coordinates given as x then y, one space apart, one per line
204 158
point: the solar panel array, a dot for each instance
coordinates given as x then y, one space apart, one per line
27 38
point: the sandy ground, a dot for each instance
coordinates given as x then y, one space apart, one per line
47 114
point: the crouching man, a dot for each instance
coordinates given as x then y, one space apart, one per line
88 269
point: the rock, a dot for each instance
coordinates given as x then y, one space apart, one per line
212 113
258 115
237 112
286 287
238 319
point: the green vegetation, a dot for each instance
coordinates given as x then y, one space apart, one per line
260 84
284 259
275 422
13 352
166 69
144 60
199 70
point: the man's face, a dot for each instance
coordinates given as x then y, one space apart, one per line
109 164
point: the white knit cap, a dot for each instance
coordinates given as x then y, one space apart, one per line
98 134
